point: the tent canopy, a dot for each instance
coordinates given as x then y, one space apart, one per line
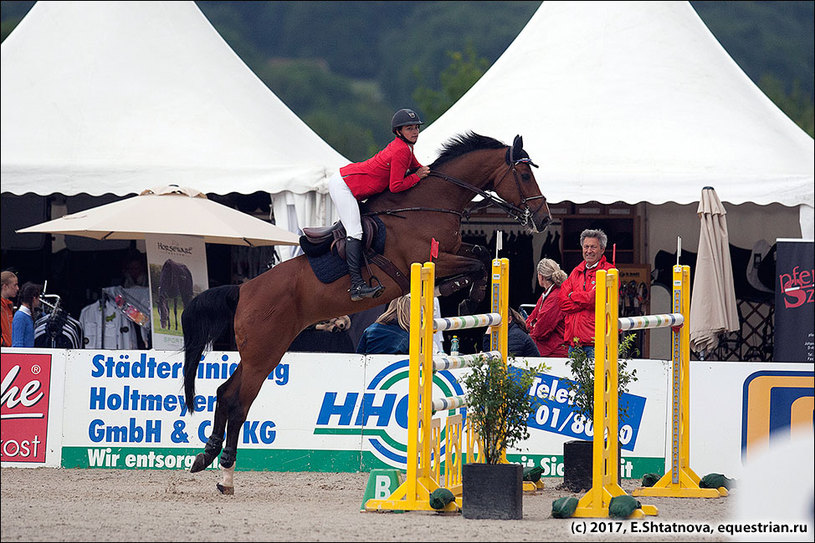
169 210
633 102
112 97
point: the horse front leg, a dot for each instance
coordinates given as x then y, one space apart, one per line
462 270
175 311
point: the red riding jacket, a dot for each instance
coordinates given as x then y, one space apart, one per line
577 301
547 325
384 171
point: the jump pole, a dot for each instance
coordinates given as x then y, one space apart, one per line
681 481
424 433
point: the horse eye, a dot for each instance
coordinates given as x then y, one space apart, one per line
525 176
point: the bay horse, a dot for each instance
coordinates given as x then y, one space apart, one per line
268 311
175 280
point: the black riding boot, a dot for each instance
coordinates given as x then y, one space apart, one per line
353 256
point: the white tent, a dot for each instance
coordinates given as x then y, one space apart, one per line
634 102
115 97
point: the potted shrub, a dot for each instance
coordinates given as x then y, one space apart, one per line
577 454
498 407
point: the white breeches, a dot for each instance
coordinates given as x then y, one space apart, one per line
347 206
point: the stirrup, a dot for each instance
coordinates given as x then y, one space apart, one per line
359 292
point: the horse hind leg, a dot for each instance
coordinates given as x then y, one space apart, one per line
216 439
228 458
233 400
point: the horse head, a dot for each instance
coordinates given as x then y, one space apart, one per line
524 192
507 173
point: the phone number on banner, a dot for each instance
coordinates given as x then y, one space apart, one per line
555 411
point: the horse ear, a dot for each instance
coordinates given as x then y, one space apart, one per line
517 147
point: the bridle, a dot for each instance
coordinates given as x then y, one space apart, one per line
522 214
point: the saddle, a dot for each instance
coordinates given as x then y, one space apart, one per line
316 241
325 249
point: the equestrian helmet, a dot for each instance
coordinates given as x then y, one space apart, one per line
404 117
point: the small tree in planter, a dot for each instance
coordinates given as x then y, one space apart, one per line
582 367
498 407
577 455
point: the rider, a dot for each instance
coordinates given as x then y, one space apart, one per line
390 169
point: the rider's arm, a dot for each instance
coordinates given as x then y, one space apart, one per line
400 163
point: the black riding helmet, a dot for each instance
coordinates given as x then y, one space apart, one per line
404 117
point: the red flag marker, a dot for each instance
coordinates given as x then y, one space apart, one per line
434 249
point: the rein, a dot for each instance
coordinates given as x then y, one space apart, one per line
522 215
395 212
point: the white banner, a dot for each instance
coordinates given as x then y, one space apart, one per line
348 412
178 272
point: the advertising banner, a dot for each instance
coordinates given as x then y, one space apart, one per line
348 412
380 412
332 412
739 409
32 386
794 305
128 411
177 271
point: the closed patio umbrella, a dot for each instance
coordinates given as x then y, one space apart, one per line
713 300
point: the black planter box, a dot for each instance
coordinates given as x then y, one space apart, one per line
578 465
492 491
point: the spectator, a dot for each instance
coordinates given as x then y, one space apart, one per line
389 334
577 292
134 270
547 324
9 291
22 332
519 344
331 336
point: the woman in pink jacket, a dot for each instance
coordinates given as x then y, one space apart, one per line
546 323
389 169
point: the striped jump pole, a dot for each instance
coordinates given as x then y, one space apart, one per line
681 481
423 475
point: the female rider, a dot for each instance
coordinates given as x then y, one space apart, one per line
389 169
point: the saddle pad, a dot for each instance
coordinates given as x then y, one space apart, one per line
329 267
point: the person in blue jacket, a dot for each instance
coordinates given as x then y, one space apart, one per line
519 343
22 327
390 333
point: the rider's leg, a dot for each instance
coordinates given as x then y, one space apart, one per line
348 210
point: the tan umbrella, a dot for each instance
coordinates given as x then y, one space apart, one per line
168 210
713 300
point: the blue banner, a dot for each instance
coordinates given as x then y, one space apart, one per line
555 411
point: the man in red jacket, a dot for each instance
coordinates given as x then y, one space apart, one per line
578 290
387 170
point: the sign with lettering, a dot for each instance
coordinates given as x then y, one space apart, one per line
794 294
25 397
178 272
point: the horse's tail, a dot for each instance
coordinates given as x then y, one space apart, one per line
204 320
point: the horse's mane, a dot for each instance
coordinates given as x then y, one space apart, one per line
463 144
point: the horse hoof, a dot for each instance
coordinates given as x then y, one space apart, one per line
200 463
225 490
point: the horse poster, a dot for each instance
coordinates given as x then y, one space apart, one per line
177 272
